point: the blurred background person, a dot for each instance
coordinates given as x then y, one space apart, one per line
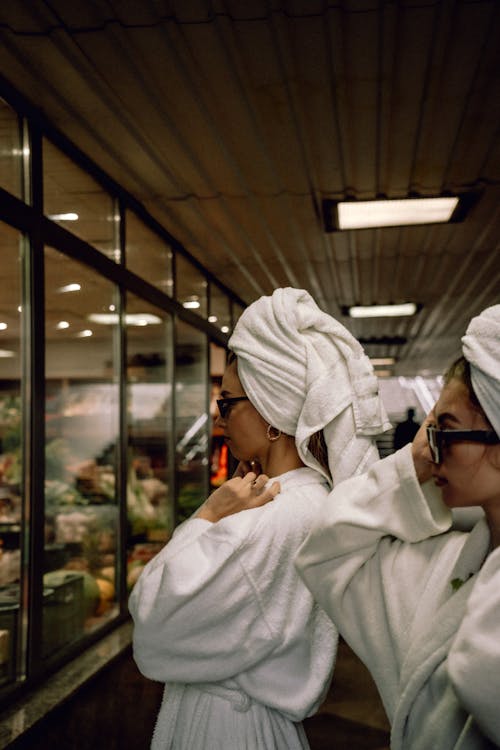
406 431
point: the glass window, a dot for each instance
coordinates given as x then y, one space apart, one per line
191 419
82 427
220 458
11 150
73 199
149 398
190 286
220 309
147 254
11 459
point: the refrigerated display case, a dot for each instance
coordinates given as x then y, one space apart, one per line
106 433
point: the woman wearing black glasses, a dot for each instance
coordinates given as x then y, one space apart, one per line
418 602
221 615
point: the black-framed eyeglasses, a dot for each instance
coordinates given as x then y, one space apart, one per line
438 439
224 404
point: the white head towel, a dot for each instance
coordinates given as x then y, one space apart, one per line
481 348
303 371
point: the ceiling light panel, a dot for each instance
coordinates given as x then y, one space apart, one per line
381 311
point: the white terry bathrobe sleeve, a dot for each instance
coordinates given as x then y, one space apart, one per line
377 561
474 659
197 616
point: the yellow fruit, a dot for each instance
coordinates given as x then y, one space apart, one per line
107 594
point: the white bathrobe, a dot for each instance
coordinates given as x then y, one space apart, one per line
222 617
474 658
379 563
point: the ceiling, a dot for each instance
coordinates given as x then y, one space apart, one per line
232 120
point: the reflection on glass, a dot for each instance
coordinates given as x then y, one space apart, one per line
219 454
149 396
147 254
82 424
191 419
220 309
73 199
190 286
11 476
11 151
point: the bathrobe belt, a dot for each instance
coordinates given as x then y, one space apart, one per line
239 700
165 724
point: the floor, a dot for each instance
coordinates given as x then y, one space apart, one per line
352 716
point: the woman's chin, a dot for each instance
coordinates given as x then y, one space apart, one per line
453 499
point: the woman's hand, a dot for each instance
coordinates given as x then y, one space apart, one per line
420 450
238 493
245 466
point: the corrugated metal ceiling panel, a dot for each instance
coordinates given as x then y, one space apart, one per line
232 120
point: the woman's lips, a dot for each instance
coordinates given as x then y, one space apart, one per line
439 481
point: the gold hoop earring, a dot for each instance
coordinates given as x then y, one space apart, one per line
272 438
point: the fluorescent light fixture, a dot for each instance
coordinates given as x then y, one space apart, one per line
64 217
62 324
5 353
69 288
381 361
3 326
381 311
84 334
131 319
191 304
393 213
361 214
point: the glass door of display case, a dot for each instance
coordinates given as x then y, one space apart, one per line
221 462
107 395
11 455
150 458
192 421
82 520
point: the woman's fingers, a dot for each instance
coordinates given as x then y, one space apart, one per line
420 450
237 494
260 481
269 493
246 466
249 478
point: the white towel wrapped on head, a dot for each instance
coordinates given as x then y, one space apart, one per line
481 348
304 371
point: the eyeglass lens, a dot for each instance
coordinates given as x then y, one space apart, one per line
434 444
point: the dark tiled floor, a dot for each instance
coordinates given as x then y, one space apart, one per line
352 716
117 711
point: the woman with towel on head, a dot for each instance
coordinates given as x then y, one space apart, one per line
418 602
220 614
